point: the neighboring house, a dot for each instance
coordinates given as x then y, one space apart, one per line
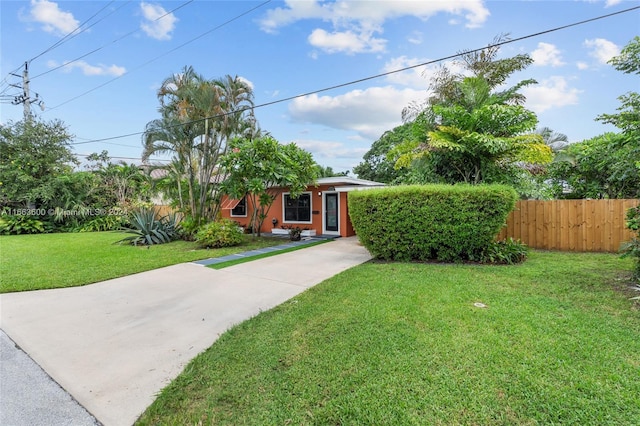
321 209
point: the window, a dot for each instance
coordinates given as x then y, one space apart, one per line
297 209
240 209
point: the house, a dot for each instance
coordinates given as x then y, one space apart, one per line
320 210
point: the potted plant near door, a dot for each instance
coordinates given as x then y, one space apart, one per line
295 233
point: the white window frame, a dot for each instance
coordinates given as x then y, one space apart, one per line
284 206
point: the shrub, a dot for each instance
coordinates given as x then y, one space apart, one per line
147 230
295 232
189 228
21 224
104 223
507 252
442 222
221 233
632 248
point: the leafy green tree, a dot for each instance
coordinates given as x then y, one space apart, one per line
479 137
627 119
628 61
33 154
607 166
256 168
445 88
376 164
472 129
329 172
199 118
601 167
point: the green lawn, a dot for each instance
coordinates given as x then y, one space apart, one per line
33 262
401 344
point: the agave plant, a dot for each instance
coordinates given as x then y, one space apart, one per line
148 230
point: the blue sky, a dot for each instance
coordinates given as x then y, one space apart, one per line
289 48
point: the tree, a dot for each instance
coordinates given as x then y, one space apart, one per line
628 61
471 129
445 89
480 136
601 167
628 117
329 172
556 141
199 118
257 168
33 154
376 164
608 166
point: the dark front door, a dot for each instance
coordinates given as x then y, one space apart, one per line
331 212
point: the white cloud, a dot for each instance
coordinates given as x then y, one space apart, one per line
415 38
88 69
158 24
369 112
415 77
330 150
345 11
582 65
601 49
53 19
607 3
356 22
547 54
247 82
550 93
346 41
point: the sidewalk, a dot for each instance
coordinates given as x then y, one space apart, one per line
114 345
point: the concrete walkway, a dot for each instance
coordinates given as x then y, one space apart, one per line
114 345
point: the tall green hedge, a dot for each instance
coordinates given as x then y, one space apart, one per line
442 222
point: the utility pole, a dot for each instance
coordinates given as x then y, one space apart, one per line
25 99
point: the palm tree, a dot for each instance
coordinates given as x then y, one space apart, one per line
556 141
199 117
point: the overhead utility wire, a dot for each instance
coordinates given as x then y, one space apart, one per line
9 86
126 158
379 75
164 54
75 32
110 43
63 40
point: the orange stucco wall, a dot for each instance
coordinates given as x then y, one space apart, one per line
276 211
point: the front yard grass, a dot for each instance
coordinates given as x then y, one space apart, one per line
34 262
550 341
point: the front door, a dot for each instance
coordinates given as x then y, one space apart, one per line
331 212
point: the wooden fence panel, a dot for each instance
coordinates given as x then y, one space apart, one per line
163 210
570 225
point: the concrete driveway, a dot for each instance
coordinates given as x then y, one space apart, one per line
114 345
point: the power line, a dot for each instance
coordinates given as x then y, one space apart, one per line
107 143
127 158
68 37
164 54
110 43
73 33
350 83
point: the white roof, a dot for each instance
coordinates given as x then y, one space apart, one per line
342 180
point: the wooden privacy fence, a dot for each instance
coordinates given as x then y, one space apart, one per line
570 225
163 210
